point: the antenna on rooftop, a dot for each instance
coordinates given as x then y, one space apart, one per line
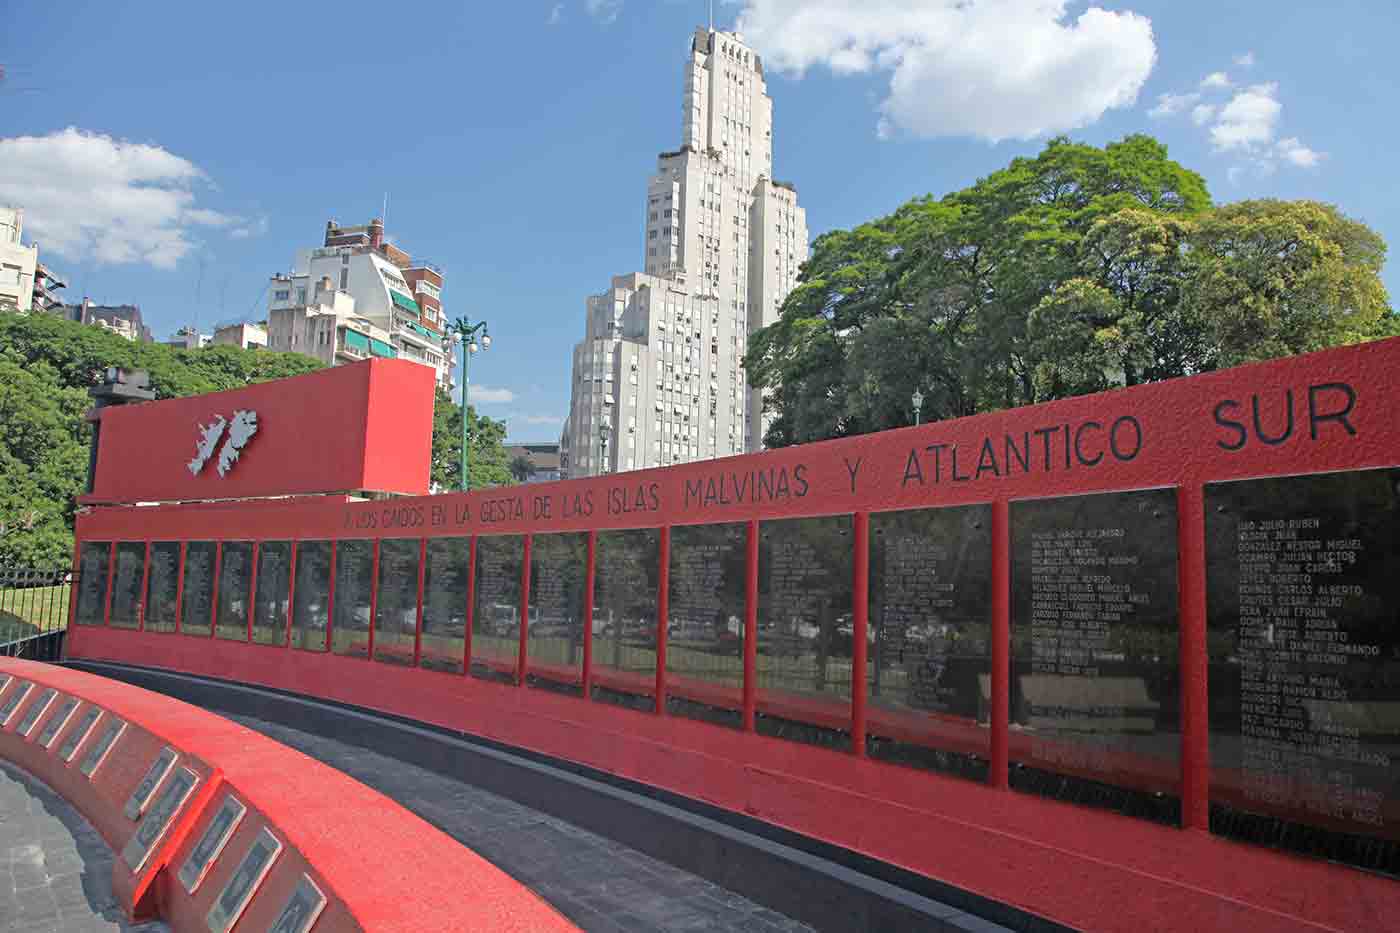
384 214
712 15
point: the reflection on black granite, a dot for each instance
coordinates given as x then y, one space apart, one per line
1302 585
396 603
274 587
163 587
496 614
235 579
126 584
1095 683
627 567
804 628
197 595
929 657
554 636
354 576
705 628
93 560
311 595
445 604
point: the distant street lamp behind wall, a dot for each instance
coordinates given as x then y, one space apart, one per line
918 399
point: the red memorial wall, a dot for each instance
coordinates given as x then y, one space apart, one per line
1130 648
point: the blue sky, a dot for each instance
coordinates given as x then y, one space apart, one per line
514 140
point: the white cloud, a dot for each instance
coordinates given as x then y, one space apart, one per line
1171 104
1248 120
487 395
251 229
547 421
1245 59
604 11
1216 79
89 196
556 15
1201 114
1292 150
994 69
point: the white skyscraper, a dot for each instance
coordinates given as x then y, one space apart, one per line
657 378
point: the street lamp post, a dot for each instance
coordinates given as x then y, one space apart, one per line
603 441
918 399
463 333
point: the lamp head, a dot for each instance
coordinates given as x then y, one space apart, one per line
917 399
486 341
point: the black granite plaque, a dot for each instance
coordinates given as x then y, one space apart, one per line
396 605
627 569
555 632
705 627
12 702
354 576
93 560
928 652
445 580
239 890
136 803
163 587
57 721
126 584
102 747
274 587
804 629
197 595
496 613
301 910
311 595
235 582
153 826
1302 585
1095 683
78 733
211 843
35 710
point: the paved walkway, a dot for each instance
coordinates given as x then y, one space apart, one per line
598 884
55 870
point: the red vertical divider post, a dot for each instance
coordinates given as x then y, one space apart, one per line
180 591
663 613
253 588
1194 669
1001 640
111 573
522 658
751 627
373 597
330 599
291 593
589 573
214 588
471 606
418 620
860 625
145 588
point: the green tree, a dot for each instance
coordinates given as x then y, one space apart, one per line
489 462
1078 270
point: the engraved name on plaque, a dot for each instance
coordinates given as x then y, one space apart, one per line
75 737
12 702
36 709
211 843
172 797
239 890
302 908
102 748
57 721
136 804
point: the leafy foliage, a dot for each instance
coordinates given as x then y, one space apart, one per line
1079 270
489 464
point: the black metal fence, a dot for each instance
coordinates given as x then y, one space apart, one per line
34 611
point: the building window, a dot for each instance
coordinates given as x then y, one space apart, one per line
282 295
344 279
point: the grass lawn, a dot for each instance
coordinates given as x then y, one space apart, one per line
32 610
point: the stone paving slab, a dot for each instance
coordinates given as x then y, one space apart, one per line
602 886
55 870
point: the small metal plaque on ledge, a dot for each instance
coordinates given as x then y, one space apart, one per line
211 843
69 748
36 709
100 749
57 721
302 908
239 890
136 804
172 797
7 710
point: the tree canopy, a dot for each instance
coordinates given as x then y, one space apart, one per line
489 464
1078 270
